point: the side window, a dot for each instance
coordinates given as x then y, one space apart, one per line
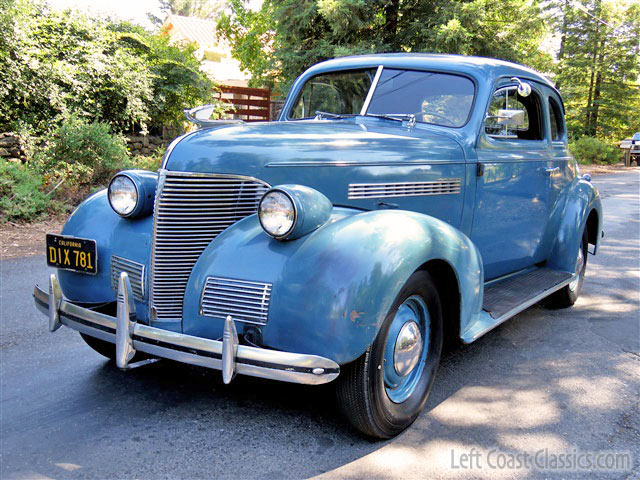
556 122
506 99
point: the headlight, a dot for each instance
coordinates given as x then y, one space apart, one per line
123 195
277 213
287 212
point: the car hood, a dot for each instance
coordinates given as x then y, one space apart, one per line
258 149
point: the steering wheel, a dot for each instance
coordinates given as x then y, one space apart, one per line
422 113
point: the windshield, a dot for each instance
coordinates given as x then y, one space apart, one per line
437 98
338 92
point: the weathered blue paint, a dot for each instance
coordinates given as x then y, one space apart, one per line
312 209
114 235
332 286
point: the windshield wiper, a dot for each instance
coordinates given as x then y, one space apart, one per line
398 117
320 115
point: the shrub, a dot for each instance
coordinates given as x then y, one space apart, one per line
82 153
589 150
22 195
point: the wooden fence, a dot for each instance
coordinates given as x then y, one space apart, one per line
251 104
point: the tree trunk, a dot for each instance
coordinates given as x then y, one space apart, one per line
596 93
563 35
391 24
594 59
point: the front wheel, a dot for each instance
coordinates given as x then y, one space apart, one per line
383 391
108 349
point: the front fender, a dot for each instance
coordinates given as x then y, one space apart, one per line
331 289
568 221
129 238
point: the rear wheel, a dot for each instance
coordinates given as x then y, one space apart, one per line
567 296
383 392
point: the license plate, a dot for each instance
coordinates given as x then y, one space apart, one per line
71 253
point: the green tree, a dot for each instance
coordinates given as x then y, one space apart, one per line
286 36
192 8
598 67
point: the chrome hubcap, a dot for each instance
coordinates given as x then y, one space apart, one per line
579 266
408 348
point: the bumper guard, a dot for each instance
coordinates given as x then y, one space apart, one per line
227 355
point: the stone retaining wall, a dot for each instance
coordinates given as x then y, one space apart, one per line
11 148
143 144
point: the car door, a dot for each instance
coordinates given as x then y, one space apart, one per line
512 185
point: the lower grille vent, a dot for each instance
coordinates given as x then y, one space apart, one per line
135 271
244 301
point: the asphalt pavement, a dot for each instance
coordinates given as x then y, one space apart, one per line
555 381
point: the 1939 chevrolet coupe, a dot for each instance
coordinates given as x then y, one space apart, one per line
400 200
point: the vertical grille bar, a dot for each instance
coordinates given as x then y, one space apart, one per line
190 211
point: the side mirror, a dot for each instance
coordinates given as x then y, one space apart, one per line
510 118
524 88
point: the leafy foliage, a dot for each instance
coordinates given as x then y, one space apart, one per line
191 8
598 67
22 193
60 63
82 153
588 150
286 36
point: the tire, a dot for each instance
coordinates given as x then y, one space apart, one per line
363 388
567 295
108 349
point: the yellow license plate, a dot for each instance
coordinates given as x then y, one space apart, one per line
71 253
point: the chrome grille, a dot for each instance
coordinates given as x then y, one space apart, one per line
404 189
244 301
135 271
190 211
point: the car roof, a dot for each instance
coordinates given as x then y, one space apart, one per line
636 136
477 67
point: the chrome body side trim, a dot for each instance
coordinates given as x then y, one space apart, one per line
447 186
126 333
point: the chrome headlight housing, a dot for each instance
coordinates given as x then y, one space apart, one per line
131 193
277 213
287 212
123 195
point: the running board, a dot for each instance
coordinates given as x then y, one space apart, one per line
506 298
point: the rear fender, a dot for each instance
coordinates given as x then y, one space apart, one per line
331 289
568 221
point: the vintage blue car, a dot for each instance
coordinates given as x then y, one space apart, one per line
400 201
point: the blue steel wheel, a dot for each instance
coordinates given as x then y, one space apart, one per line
383 392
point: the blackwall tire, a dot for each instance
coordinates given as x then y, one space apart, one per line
380 406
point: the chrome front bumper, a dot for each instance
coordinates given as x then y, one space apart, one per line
227 355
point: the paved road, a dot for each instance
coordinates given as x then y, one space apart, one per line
557 380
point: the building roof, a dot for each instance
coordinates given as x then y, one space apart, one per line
191 29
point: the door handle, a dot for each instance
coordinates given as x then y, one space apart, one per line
551 171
